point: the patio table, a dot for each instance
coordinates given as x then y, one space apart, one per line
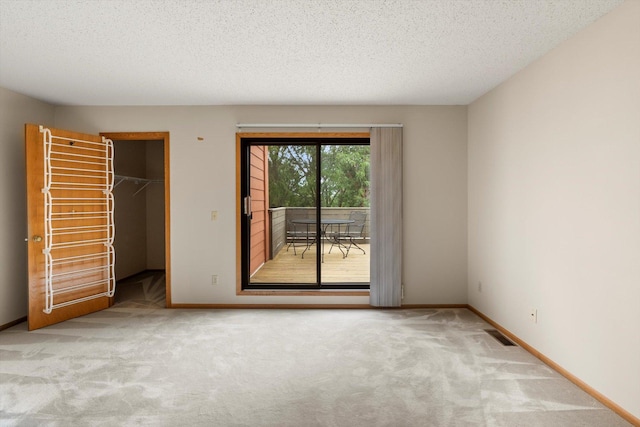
324 224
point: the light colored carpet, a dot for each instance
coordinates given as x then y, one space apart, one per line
148 366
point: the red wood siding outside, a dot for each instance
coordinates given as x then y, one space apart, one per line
258 184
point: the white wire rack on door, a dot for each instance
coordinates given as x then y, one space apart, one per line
78 221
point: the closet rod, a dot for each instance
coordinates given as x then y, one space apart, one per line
318 125
136 179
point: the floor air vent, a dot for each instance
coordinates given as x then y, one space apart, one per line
497 335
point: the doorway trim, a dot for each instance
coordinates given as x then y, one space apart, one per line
164 137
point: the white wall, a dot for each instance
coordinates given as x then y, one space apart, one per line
203 179
15 111
554 205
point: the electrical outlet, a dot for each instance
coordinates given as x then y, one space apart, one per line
479 286
214 279
533 315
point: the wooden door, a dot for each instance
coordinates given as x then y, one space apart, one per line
70 224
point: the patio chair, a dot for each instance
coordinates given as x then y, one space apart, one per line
299 235
352 232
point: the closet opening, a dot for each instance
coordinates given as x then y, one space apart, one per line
141 190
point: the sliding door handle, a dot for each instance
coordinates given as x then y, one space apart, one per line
247 206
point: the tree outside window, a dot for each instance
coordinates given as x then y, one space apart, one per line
344 179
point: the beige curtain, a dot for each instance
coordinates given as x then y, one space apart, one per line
386 217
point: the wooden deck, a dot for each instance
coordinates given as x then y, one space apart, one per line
289 268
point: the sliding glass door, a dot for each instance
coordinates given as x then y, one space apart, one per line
305 213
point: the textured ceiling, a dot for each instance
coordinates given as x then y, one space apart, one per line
198 52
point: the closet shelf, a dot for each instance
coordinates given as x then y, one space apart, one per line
119 179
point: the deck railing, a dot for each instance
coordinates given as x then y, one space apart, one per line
279 218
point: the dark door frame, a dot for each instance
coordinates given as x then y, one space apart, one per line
244 140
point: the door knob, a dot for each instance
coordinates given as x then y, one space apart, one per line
37 238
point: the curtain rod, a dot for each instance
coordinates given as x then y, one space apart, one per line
317 125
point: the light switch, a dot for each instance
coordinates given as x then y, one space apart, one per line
214 215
